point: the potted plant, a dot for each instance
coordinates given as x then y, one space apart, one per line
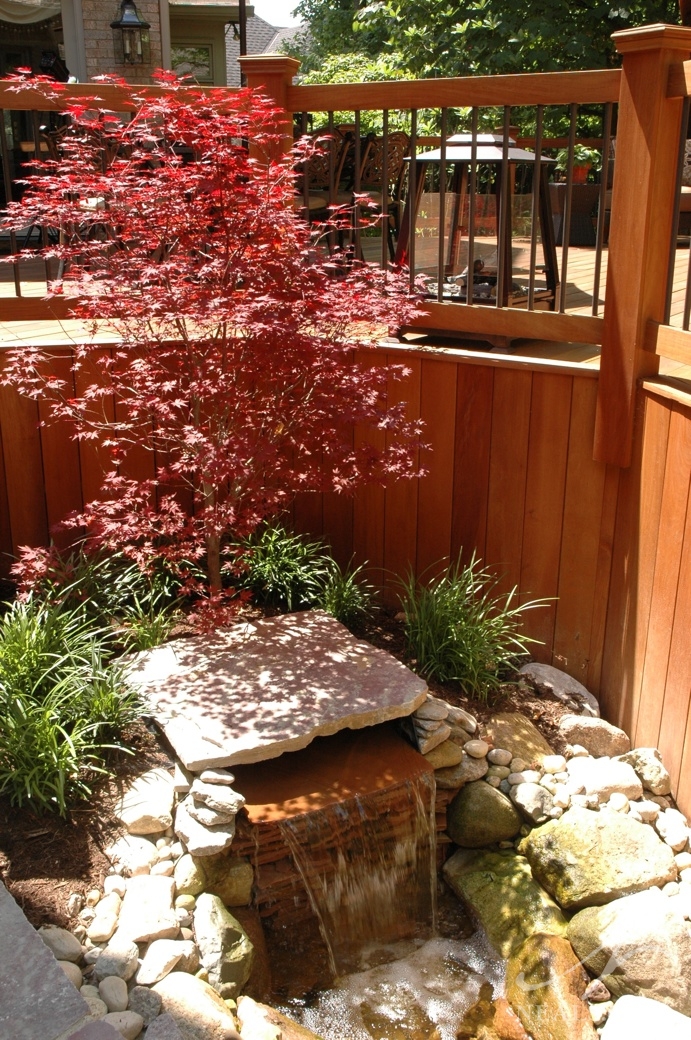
584 159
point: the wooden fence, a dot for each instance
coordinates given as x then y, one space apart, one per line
573 484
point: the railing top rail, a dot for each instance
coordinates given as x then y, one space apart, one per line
114 98
540 88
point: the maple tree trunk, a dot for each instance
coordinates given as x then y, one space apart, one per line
213 561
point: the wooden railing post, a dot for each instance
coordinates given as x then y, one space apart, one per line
641 226
272 74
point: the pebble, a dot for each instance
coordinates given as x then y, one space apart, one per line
685 875
97 1008
619 802
128 1023
184 917
554 763
561 797
114 883
75 903
61 943
549 783
186 902
576 751
518 765
119 958
145 1002
222 776
93 897
103 926
163 842
113 992
499 757
79 932
164 853
524 776
683 860
432 710
500 771
186 933
476 748
647 810
671 826
493 781
562 777
600 1012
88 990
73 973
596 992
164 868
91 956
177 849
87 915
671 888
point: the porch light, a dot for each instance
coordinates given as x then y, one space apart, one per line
131 35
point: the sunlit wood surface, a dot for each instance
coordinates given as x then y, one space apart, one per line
579 300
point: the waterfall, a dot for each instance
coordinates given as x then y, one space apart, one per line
368 864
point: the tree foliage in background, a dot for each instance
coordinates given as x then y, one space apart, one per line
335 38
441 38
235 364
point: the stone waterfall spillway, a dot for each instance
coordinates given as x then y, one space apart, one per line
343 833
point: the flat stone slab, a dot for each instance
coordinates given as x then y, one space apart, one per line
37 999
254 691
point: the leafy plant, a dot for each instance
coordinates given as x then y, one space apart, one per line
344 593
283 569
582 156
237 366
62 703
458 626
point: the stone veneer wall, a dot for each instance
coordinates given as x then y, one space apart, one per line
98 40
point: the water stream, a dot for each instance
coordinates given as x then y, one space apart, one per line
368 865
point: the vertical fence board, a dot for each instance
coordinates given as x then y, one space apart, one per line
438 411
308 513
507 474
23 469
638 510
550 414
401 508
60 451
673 507
602 577
369 506
6 550
578 566
338 526
676 689
475 388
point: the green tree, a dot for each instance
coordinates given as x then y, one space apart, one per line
335 30
441 38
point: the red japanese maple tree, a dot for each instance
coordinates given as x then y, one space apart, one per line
237 335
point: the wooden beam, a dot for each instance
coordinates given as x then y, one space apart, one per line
643 201
679 82
34 308
666 341
511 322
550 88
59 96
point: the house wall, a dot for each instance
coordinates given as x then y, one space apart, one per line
98 40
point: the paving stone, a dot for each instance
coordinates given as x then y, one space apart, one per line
37 999
270 687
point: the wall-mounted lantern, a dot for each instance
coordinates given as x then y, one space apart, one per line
131 36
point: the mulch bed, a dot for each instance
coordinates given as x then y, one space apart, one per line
45 858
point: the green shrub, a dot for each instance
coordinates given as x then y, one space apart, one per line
287 571
62 704
459 627
345 594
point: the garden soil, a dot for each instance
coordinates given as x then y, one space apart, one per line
43 859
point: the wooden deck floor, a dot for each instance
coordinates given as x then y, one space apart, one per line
579 300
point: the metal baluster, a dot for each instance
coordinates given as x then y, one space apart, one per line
385 191
442 205
357 185
566 227
535 211
412 188
602 201
504 214
469 289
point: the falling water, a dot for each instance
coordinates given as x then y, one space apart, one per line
369 867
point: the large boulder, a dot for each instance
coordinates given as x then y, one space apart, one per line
224 946
604 777
230 878
639 945
639 1018
502 894
588 858
597 736
198 1011
545 985
549 680
480 815
517 734
647 765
